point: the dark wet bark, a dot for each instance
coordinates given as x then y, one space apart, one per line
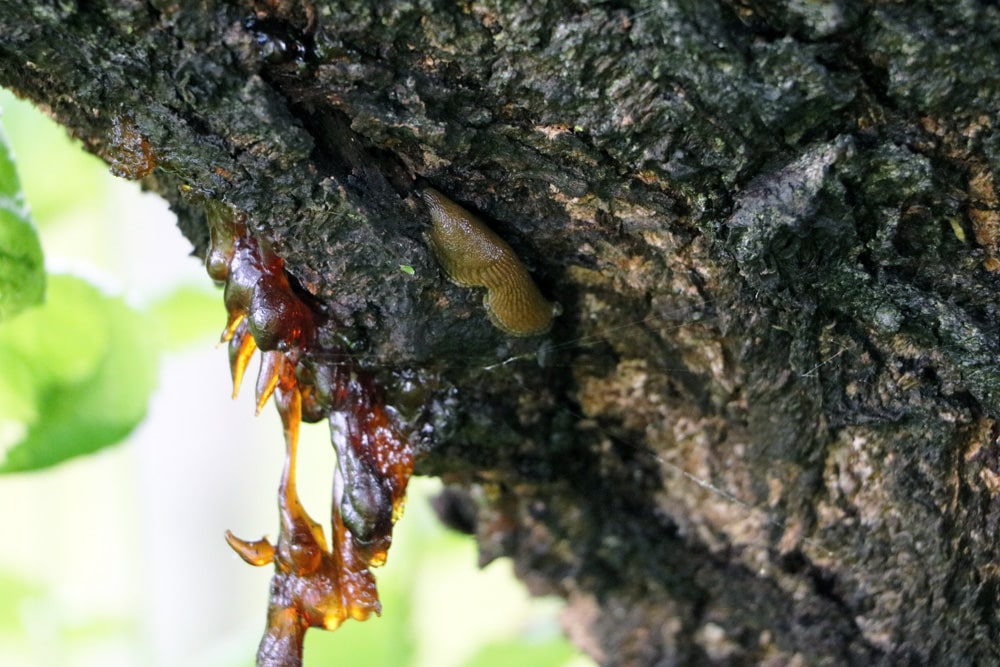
765 427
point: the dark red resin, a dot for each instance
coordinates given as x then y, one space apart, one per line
314 584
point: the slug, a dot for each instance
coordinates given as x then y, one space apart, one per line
472 255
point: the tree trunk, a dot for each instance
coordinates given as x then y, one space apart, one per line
764 428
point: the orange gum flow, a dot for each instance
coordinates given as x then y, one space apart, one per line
314 584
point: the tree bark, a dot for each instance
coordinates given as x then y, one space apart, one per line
764 429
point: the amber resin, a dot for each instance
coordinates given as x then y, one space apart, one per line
129 151
315 584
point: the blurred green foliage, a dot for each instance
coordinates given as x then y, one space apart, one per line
551 651
79 373
79 368
22 275
57 176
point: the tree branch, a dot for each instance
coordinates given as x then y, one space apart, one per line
765 424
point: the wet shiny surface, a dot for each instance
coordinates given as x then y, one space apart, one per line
315 584
472 255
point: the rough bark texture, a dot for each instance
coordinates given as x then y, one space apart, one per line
765 427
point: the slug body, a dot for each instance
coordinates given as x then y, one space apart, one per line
472 255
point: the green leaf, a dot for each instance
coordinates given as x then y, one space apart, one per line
87 367
18 400
22 272
64 340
